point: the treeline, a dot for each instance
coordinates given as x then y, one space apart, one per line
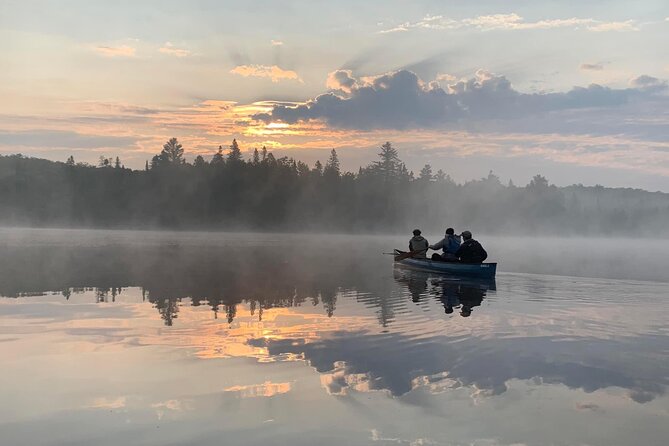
283 194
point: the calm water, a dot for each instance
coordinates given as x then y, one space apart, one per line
135 338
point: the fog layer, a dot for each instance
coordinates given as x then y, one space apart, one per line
265 193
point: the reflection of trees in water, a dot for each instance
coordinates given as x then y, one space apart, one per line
219 277
261 277
259 296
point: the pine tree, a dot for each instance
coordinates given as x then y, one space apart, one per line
256 157
117 164
318 168
199 161
332 165
389 166
146 166
218 159
70 161
235 155
172 153
426 173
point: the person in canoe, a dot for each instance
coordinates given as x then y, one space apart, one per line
470 251
418 245
450 244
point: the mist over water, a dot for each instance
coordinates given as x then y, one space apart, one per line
191 337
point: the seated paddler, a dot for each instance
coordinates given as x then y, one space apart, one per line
449 244
419 245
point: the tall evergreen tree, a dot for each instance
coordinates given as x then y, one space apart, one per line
256 157
218 159
199 161
235 155
332 165
389 166
117 163
172 153
426 173
318 168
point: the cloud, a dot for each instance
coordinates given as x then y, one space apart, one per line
510 22
628 25
170 49
592 66
648 83
64 139
115 51
401 100
342 80
273 72
276 42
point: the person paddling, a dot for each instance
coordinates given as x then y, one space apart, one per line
418 243
450 244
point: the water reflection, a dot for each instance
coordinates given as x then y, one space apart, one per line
267 330
452 291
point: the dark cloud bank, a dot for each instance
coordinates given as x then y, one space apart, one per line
401 100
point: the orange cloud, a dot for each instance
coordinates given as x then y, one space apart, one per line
115 51
273 72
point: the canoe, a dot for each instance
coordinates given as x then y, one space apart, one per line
485 270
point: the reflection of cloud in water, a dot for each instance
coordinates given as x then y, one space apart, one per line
400 364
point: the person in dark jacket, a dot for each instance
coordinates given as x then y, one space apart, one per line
418 243
470 251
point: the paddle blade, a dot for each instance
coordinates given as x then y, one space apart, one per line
405 255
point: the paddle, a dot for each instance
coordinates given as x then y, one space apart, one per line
406 255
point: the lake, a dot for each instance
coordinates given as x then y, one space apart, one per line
167 338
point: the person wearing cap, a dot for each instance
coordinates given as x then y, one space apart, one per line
470 251
418 243
450 244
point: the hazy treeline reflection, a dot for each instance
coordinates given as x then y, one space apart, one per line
222 277
265 192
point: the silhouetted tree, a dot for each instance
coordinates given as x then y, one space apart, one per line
199 161
426 173
217 159
235 155
389 165
104 161
172 154
318 168
332 165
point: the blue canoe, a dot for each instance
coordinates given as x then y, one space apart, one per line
484 270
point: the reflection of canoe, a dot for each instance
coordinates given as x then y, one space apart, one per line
487 270
406 273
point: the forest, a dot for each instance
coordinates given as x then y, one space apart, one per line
266 193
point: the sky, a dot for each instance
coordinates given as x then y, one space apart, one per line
576 91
